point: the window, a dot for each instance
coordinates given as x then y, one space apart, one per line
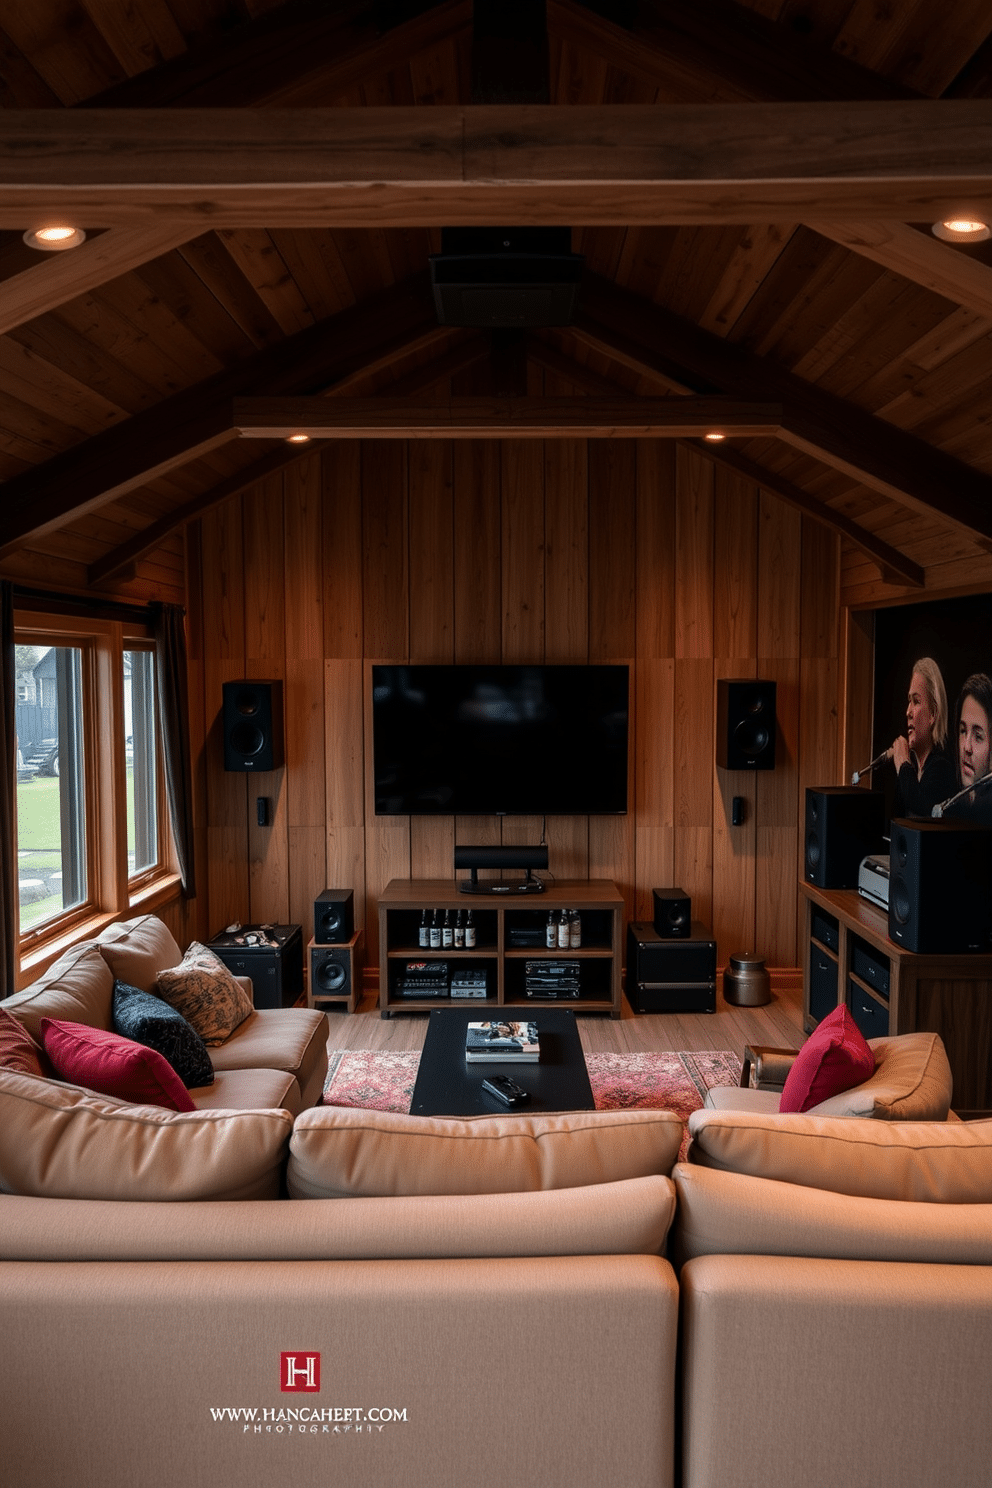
92 834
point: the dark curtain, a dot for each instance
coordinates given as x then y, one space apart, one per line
173 713
9 930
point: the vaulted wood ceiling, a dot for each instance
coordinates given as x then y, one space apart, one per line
751 183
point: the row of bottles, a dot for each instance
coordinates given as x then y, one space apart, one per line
564 932
447 929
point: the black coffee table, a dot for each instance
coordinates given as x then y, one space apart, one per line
447 1086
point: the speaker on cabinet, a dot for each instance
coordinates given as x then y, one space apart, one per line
843 825
745 723
333 916
252 718
940 878
332 973
672 914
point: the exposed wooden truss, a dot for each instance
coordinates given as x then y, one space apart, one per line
712 163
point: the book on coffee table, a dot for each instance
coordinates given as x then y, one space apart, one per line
516 1043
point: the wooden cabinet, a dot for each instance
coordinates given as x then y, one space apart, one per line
510 932
849 958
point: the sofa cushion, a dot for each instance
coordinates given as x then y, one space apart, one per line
291 1039
57 1141
912 1082
336 1152
18 1050
834 1058
77 987
205 992
249 1090
136 950
935 1162
149 1020
111 1065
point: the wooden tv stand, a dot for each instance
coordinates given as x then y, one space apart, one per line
848 956
499 919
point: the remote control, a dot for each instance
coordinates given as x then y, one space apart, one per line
506 1090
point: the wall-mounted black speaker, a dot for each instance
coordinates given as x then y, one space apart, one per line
333 974
672 914
843 825
252 719
745 723
940 879
334 916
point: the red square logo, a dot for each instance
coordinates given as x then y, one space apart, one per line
299 1371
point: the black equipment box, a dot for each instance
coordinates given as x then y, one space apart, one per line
271 955
671 976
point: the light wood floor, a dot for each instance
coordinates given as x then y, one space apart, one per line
779 1024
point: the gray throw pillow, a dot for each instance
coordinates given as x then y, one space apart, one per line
150 1021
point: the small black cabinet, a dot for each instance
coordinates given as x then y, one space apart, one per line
275 966
671 976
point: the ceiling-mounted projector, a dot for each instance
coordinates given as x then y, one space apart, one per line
506 276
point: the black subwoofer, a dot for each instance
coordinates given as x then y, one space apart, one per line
252 719
334 916
843 825
745 724
332 973
940 879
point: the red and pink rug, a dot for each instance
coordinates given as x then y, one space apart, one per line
380 1080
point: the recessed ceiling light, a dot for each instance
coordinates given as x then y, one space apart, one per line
962 230
298 439
714 437
54 238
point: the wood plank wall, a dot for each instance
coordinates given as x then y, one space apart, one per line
438 551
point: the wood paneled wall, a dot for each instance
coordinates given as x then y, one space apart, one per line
438 551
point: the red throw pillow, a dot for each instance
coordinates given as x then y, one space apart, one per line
18 1050
834 1058
112 1065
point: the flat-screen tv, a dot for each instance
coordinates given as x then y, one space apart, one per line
500 740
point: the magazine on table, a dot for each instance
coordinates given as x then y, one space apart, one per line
514 1042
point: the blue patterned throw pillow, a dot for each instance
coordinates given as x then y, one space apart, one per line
150 1021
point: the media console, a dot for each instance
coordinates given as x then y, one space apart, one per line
509 935
849 958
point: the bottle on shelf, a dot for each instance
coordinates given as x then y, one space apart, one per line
551 938
448 930
436 931
469 930
563 930
459 930
424 933
574 929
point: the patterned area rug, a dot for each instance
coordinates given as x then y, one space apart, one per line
379 1080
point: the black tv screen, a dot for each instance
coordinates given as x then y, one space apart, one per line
503 740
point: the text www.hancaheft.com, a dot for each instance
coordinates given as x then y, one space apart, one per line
309 1420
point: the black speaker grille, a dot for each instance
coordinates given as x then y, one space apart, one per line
247 738
331 976
331 923
812 848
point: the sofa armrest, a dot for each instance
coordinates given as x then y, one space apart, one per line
770 1066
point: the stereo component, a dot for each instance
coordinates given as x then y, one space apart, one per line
671 976
501 857
940 881
672 913
335 974
252 724
843 826
745 723
333 916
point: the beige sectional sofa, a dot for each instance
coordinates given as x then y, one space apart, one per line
499 1295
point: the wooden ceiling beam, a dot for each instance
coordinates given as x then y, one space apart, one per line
832 430
632 164
717 50
369 336
60 277
893 565
502 418
309 54
114 562
919 257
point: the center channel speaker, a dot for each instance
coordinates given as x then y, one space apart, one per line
940 879
332 973
252 718
843 825
672 914
334 916
745 723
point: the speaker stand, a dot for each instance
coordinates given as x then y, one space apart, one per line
529 885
